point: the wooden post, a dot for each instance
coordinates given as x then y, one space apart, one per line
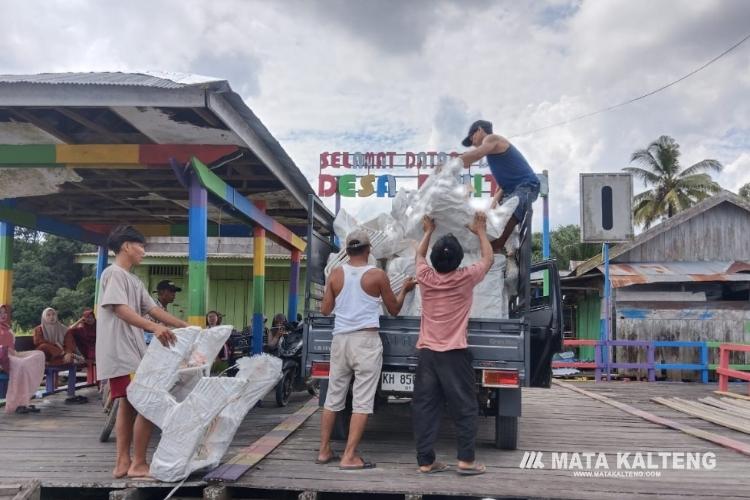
6 263
259 282
198 252
101 262
293 285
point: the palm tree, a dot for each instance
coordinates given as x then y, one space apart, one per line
673 189
745 191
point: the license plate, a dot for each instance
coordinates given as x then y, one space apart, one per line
397 381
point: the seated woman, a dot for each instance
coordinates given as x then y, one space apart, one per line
58 345
278 330
25 369
50 338
83 332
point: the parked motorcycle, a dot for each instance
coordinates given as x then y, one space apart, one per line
289 349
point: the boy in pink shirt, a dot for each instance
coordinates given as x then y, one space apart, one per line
444 371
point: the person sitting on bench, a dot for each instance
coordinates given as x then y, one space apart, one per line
25 369
58 345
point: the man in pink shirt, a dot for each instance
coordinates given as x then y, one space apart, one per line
444 371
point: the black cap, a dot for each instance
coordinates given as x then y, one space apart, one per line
483 124
167 285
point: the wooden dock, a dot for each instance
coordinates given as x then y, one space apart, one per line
59 447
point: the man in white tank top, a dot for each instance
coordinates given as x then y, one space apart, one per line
354 293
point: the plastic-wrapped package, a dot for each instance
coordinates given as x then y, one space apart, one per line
170 390
443 197
261 373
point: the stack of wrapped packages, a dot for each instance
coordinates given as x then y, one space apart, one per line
198 415
394 237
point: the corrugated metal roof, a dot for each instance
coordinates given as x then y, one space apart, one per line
155 79
623 275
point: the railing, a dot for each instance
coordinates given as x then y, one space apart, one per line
585 365
701 367
602 363
648 365
725 371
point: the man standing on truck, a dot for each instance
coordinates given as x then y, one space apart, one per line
445 374
354 292
510 169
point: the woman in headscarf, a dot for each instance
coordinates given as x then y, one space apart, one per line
278 330
50 338
25 369
84 334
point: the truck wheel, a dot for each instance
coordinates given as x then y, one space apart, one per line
341 426
506 433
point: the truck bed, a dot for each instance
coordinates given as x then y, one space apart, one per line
494 343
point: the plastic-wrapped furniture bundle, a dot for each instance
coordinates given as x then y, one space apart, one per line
394 237
198 415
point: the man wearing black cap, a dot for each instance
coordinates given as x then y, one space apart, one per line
165 293
355 292
510 169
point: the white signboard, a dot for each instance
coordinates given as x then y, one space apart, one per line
606 208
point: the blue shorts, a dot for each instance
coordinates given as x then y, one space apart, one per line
527 194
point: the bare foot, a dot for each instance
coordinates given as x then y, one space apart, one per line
139 470
68 358
121 469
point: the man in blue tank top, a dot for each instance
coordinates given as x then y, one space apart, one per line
510 169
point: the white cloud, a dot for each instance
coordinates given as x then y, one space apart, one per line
359 75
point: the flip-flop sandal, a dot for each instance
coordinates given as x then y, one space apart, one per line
149 479
473 471
76 400
365 465
330 459
33 409
22 410
436 467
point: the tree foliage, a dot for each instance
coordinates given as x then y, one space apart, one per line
672 188
565 245
45 274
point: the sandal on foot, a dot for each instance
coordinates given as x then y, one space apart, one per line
330 459
475 470
435 468
364 465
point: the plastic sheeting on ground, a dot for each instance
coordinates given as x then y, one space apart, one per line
395 235
198 414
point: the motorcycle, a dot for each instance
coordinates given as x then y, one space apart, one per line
289 349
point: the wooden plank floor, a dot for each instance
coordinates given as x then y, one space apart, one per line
60 448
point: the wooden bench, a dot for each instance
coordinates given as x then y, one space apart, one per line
26 343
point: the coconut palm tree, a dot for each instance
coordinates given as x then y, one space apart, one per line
672 188
745 191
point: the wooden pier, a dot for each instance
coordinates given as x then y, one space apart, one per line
60 449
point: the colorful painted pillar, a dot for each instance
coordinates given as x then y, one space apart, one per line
101 262
259 282
294 285
197 252
6 262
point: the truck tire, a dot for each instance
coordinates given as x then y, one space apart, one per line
341 425
506 433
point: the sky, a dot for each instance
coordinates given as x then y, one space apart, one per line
393 75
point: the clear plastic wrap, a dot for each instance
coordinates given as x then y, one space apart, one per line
394 237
